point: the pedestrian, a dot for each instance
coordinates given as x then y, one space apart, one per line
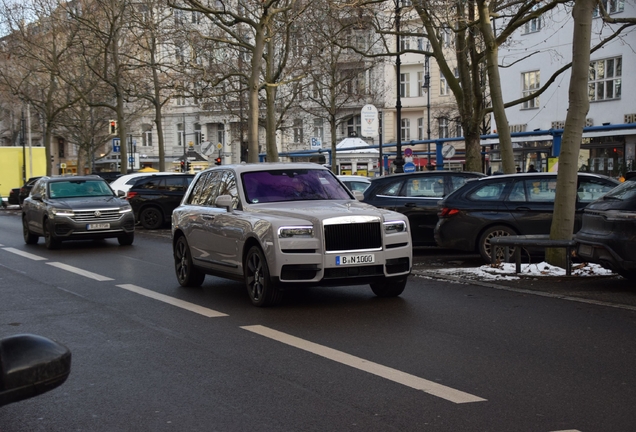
518 169
532 169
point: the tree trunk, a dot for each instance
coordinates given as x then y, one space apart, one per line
496 97
565 199
254 85
270 133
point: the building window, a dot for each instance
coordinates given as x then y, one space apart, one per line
405 85
298 131
605 79
178 16
180 134
459 132
197 134
420 83
445 36
405 43
444 90
196 17
405 130
611 7
531 81
220 133
147 139
61 145
443 127
532 26
420 128
354 126
319 130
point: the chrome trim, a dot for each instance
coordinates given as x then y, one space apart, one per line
345 220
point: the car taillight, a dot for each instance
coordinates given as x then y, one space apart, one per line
129 195
447 212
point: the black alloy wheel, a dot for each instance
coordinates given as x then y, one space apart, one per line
49 239
187 274
260 288
151 218
126 239
29 237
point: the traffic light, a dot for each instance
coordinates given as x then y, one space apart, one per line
112 127
202 136
187 166
182 166
217 161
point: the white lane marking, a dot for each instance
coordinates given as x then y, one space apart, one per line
25 254
79 271
173 301
391 374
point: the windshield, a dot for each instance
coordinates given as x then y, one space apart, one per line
292 185
79 188
624 191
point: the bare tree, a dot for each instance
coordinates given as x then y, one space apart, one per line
40 49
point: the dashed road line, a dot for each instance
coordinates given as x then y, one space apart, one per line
80 272
25 254
391 374
173 301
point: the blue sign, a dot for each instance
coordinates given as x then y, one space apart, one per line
131 159
409 167
116 146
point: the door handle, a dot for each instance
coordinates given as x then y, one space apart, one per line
207 217
410 205
523 208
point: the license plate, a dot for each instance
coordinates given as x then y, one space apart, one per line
585 250
97 226
355 259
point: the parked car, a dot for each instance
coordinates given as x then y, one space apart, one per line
280 225
125 182
416 195
153 198
25 189
512 204
109 176
608 232
75 208
355 182
31 365
14 196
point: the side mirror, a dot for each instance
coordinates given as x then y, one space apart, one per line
224 201
121 193
31 365
358 195
36 197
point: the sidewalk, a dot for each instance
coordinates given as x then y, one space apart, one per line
590 283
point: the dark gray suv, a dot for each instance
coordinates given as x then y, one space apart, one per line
76 208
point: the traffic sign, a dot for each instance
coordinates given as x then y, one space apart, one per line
448 151
408 152
369 120
409 167
116 145
315 143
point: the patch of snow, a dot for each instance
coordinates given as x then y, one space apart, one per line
506 271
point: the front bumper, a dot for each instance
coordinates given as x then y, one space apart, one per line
65 228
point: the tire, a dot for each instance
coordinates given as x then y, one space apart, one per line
126 239
260 288
29 237
628 274
484 242
49 239
187 275
389 287
151 218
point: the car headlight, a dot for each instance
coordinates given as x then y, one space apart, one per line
125 209
296 231
394 227
60 212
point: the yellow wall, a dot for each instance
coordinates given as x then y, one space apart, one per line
11 166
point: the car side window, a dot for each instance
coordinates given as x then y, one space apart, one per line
202 189
518 192
428 187
591 190
227 186
492 191
153 183
541 190
173 183
390 189
458 181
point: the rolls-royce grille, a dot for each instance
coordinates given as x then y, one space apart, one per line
353 236
108 215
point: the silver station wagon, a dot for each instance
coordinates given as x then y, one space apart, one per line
278 225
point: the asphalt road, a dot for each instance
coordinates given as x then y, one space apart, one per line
149 355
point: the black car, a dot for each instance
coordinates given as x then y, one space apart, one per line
416 195
513 204
75 208
14 196
25 190
154 198
109 176
608 233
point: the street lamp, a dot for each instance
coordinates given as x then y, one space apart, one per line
398 162
427 89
